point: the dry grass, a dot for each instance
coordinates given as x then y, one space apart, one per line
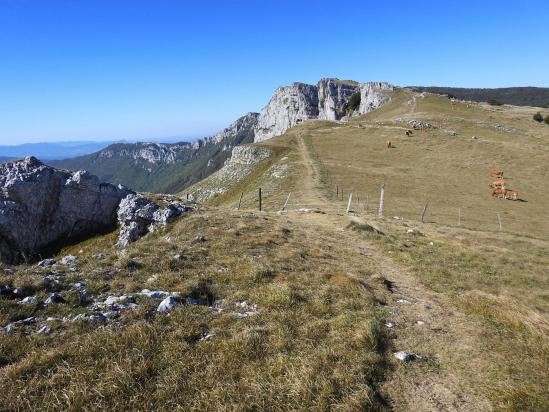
314 343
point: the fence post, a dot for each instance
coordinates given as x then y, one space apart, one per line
349 202
286 202
260 199
337 191
499 220
240 200
424 211
381 199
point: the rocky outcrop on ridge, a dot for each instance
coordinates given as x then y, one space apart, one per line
41 206
242 162
328 100
290 105
138 216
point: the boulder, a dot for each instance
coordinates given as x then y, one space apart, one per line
42 207
138 216
168 304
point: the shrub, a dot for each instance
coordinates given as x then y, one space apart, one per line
546 120
354 102
538 117
494 102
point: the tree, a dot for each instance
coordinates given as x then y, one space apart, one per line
538 117
354 102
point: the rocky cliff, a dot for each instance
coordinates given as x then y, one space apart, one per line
328 100
41 206
289 106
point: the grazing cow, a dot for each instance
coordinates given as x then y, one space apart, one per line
499 192
388 144
496 173
505 193
409 133
497 183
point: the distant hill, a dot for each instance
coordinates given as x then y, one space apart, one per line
161 167
4 159
517 96
51 151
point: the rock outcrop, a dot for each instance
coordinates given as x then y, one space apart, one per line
328 100
333 96
138 216
290 105
241 163
41 206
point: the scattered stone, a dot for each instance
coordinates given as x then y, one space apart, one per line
46 262
208 336
181 256
27 321
474 137
403 301
54 298
420 322
97 317
155 294
50 284
99 256
44 330
195 301
407 356
28 300
19 292
5 290
389 325
168 304
78 286
84 297
9 271
68 260
414 232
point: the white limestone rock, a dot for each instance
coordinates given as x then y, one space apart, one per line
41 206
290 105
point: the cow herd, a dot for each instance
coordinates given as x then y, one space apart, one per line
498 186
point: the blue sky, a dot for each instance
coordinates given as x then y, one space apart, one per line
94 69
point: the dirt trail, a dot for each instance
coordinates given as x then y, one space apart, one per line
424 321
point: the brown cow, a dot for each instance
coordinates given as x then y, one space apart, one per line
496 173
497 183
511 195
499 192
409 133
389 144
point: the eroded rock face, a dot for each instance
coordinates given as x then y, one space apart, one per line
333 96
328 100
138 216
374 95
41 206
289 106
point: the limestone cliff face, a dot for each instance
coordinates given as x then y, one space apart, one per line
41 206
374 95
333 96
290 105
328 100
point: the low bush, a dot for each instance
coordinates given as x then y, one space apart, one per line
538 117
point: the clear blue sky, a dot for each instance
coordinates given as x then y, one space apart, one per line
95 69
